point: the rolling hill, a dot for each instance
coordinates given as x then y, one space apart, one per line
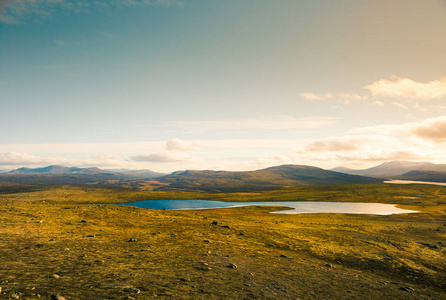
266 179
270 178
394 168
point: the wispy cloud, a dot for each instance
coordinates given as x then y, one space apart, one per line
397 88
315 97
406 88
15 11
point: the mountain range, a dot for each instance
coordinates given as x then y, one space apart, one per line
207 180
226 181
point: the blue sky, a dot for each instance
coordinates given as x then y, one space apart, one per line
209 84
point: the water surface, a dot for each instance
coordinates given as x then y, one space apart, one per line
297 207
414 182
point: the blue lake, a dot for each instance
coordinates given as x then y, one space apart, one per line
290 207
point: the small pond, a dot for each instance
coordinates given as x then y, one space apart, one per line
297 207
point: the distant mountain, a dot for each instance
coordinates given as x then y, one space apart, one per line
61 175
59 170
270 178
431 176
394 168
142 174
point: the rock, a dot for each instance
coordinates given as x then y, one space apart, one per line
203 268
226 226
40 221
57 297
83 221
283 256
55 276
328 265
241 233
0 289
133 290
133 240
214 223
407 289
231 266
91 235
206 241
39 246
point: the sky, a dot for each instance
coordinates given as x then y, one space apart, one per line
170 85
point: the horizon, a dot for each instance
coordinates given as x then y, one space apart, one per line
170 85
2 171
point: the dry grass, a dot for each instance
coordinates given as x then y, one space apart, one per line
181 255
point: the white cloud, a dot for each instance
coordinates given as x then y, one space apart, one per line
406 88
312 97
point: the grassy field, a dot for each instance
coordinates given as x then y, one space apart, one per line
52 243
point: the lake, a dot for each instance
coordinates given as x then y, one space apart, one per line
414 182
297 207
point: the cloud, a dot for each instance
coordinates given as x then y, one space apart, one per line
312 97
406 88
338 144
180 145
14 11
19 159
161 157
432 129
377 103
400 105
271 123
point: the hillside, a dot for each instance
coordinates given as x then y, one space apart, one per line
270 178
394 168
61 175
424 176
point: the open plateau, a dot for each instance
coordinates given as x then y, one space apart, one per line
71 241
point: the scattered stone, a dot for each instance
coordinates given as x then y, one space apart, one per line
133 290
203 268
241 233
207 241
232 266
57 297
83 221
283 256
55 276
328 265
40 221
133 240
116 286
407 289
91 235
67 249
